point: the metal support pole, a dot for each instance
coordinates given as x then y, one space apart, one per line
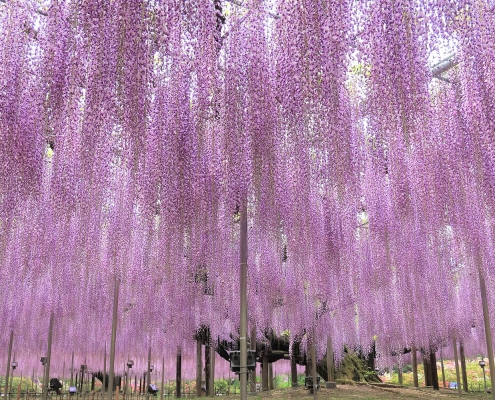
463 367
264 371
178 382
114 335
163 377
11 379
9 360
253 348
457 373
270 376
415 366
243 373
104 369
331 379
443 370
488 333
148 377
293 365
212 369
199 367
313 364
72 371
48 359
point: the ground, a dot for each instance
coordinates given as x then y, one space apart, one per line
363 392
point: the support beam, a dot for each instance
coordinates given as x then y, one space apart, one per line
313 364
9 360
114 335
148 373
207 368
463 367
264 372
163 378
434 371
48 359
243 373
456 361
252 377
270 376
488 332
103 389
443 370
330 364
178 381
212 370
199 367
415 366
293 365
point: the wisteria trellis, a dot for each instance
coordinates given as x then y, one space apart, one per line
130 129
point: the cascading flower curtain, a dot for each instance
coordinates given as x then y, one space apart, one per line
133 130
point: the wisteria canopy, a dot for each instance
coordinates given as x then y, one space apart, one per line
131 130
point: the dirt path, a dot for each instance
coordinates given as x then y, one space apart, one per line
363 392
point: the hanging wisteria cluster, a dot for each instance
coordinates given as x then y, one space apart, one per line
131 131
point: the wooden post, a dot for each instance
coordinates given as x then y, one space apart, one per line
463 367
114 335
264 371
9 360
253 348
178 383
48 357
415 366
199 367
456 361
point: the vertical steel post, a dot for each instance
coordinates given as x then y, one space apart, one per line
48 359
488 333
9 360
313 364
264 371
414 366
199 367
243 373
148 377
178 381
443 369
114 335
253 348
212 369
104 369
163 376
456 361
331 377
72 371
